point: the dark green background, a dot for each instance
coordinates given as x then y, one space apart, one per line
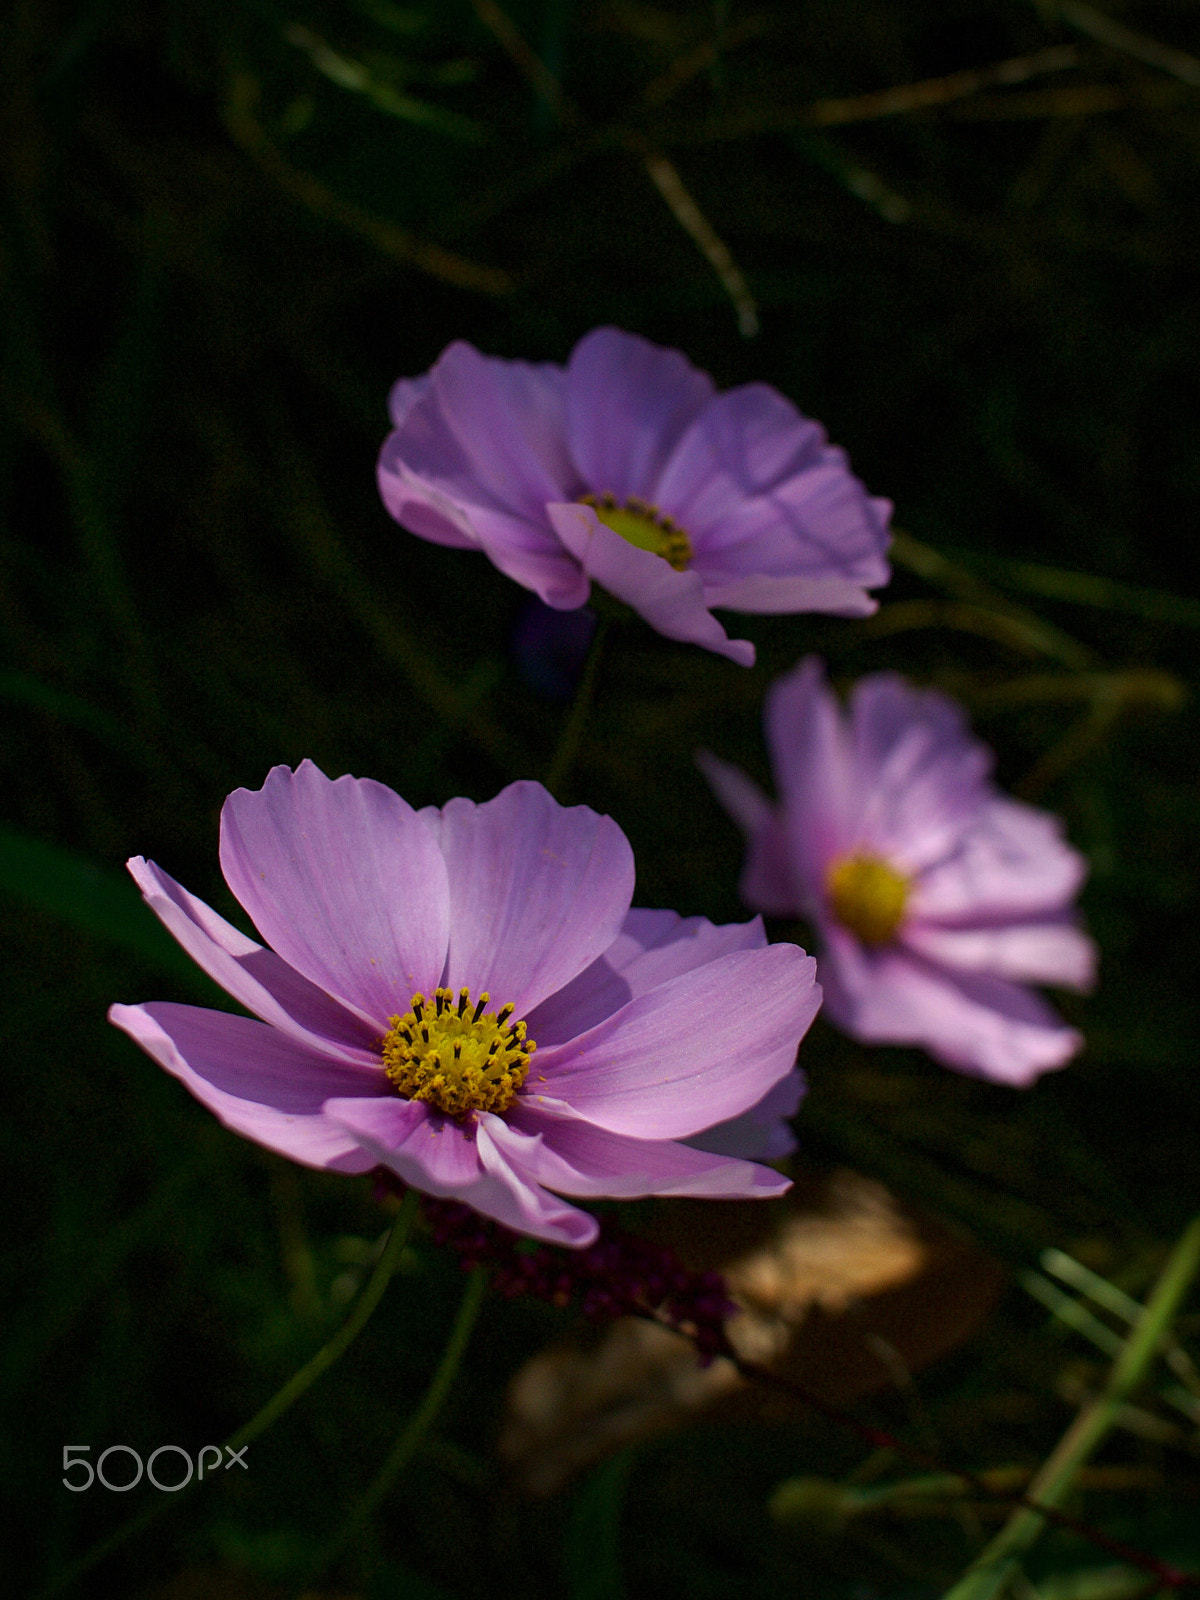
226 229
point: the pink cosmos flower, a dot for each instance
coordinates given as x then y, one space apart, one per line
627 467
417 962
937 899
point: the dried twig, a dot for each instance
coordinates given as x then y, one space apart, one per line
1107 30
666 179
527 61
939 91
387 237
659 168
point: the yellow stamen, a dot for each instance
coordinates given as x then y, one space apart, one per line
459 1059
644 526
867 896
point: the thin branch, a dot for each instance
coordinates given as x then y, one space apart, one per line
527 61
665 177
939 91
387 237
1106 30
659 168
693 62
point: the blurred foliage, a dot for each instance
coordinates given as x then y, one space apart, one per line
970 236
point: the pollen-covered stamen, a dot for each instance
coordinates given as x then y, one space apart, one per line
867 895
458 1059
643 525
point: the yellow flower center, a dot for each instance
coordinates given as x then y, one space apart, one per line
867 896
643 525
456 1056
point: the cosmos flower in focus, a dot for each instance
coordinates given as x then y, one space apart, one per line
627 467
937 899
465 998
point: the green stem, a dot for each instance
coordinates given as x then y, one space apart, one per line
999 1563
417 1426
569 740
276 1406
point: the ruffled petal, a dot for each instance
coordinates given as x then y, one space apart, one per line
344 881
760 491
628 402
260 1083
537 892
671 602
578 1158
652 947
980 1024
532 555
477 451
767 882
763 1133
923 777
459 515
437 1156
1055 951
692 1052
746 442
254 976
1012 863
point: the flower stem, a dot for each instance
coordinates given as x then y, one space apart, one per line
569 740
988 1576
278 1403
413 1433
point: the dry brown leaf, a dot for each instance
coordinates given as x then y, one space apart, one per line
842 1289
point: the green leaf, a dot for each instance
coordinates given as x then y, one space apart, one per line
84 893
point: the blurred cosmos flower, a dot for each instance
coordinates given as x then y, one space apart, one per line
418 960
627 467
936 899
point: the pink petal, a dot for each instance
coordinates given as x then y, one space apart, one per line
577 1158
1012 863
761 493
530 554
252 975
767 882
762 1133
537 892
744 443
456 514
692 1052
671 602
767 595
508 420
258 1082
983 1025
814 773
1055 951
652 947
422 509
439 1156
628 402
923 778
403 396
344 881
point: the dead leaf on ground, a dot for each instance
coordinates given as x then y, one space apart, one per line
842 1289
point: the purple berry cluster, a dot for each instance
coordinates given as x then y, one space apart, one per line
619 1275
